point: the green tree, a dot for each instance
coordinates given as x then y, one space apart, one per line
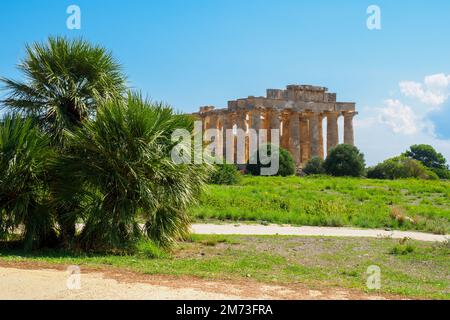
430 158
345 160
400 167
427 155
287 165
314 166
226 174
123 159
25 158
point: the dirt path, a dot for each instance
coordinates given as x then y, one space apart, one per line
23 281
273 229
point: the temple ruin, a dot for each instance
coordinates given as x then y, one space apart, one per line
298 112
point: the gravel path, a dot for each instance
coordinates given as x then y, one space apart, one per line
52 285
256 229
19 283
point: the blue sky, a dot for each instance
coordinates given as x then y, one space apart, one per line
199 52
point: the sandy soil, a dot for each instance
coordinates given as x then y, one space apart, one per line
273 229
24 281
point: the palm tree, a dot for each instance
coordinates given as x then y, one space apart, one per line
64 80
123 159
25 158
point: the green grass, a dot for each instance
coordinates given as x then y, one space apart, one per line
408 268
328 201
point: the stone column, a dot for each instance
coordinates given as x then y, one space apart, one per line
241 123
304 138
212 121
265 124
284 141
332 130
275 123
320 128
204 120
294 134
254 131
220 143
314 134
256 121
212 125
228 152
348 128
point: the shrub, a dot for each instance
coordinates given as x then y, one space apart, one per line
399 214
63 82
25 157
400 168
375 172
403 247
442 173
345 160
287 165
314 166
123 158
226 174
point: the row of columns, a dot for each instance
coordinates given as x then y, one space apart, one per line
301 132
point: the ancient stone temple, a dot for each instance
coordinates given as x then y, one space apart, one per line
299 113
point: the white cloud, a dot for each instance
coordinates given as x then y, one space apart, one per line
434 91
439 80
399 117
390 129
378 142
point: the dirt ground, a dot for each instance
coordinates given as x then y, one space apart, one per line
42 281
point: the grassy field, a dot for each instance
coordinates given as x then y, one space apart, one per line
411 269
328 201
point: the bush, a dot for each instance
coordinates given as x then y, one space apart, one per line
375 172
314 166
226 174
287 165
442 173
403 247
430 158
25 158
123 158
400 168
345 160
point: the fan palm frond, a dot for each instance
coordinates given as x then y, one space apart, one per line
124 159
64 79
